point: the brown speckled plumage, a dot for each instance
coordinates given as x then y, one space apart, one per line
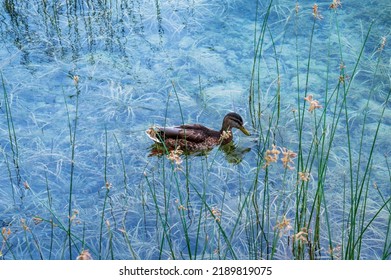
195 137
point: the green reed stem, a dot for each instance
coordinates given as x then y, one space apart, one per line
36 242
13 141
57 223
301 193
7 244
278 90
255 91
127 240
123 165
203 199
355 193
107 187
221 230
387 242
164 223
50 206
357 242
72 139
179 186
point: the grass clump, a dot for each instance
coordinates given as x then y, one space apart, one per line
323 129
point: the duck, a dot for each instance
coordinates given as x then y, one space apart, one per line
192 138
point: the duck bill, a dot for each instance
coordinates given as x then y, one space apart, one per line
245 131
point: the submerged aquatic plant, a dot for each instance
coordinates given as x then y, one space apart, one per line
310 183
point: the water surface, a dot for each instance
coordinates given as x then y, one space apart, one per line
83 80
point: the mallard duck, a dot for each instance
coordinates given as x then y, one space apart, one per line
196 137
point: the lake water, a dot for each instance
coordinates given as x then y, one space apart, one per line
83 80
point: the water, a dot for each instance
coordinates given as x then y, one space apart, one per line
135 62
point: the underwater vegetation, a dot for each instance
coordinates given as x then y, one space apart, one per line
81 82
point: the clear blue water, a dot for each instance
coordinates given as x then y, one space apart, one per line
136 61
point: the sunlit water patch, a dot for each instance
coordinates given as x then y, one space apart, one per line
83 80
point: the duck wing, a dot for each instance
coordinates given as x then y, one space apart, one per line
191 132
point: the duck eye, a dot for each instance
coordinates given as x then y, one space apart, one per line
238 122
